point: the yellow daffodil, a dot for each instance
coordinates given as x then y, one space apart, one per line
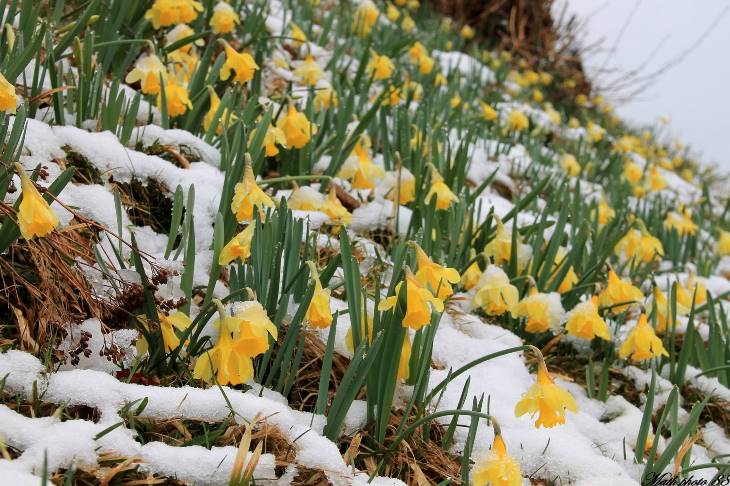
306 199
657 182
318 313
543 311
297 34
568 282
425 65
226 118
365 17
517 121
325 99
296 127
164 13
444 196
392 12
488 113
419 302
360 168
455 101
380 67
723 243
681 222
241 64
497 468
641 342
408 23
168 324
147 71
690 288
416 52
570 165
605 212
640 245
335 210
585 322
248 195
310 72
400 184
546 399
499 248
495 295
435 276
467 32
224 19
177 97
178 33
238 248
8 98
470 279
274 136
35 216
619 294
661 304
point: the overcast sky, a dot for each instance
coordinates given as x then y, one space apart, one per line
695 94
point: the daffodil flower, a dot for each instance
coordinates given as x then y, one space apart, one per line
164 13
585 322
444 196
224 18
318 313
546 399
241 64
35 216
419 302
437 277
642 343
543 311
238 248
248 195
495 295
497 468
8 98
619 294
296 127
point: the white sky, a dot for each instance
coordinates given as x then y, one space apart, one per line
695 94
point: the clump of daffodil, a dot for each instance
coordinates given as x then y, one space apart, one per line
8 98
248 195
241 64
225 119
419 303
241 337
224 19
434 276
546 399
35 216
309 71
164 13
495 294
681 222
632 172
306 198
570 165
408 23
497 468
296 127
585 322
147 71
238 248
619 294
517 121
359 167
391 12
488 113
639 244
723 243
543 312
661 305
642 343
335 210
380 67
365 17
318 313
444 196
